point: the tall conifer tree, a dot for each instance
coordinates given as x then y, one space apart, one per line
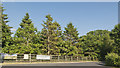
51 36
25 34
6 32
71 39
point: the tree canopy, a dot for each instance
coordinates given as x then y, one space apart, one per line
115 35
51 40
51 36
6 32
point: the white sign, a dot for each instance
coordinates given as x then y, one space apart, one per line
25 56
44 57
8 56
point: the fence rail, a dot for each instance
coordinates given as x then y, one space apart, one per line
53 58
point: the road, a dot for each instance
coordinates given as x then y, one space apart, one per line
58 65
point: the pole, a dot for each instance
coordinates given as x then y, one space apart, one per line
65 58
58 57
77 58
16 58
71 58
30 57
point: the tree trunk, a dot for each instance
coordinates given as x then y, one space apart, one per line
48 47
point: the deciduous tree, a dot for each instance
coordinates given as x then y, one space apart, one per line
115 35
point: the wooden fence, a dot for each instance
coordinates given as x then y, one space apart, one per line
53 58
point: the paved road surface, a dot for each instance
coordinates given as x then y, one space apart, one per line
58 65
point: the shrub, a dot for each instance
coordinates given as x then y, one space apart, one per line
112 59
118 61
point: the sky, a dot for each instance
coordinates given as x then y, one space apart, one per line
85 16
59 0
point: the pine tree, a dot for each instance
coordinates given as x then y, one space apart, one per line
25 34
50 36
6 32
71 39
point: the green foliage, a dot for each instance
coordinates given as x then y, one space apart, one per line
71 40
112 59
97 43
0 30
51 36
26 30
51 40
6 32
115 35
20 49
23 40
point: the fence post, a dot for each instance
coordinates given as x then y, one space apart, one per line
50 57
86 58
58 57
93 58
30 57
77 58
71 58
89 58
16 58
65 58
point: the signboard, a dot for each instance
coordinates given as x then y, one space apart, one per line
43 57
7 56
26 56
10 57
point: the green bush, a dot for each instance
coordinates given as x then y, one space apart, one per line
112 59
119 61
